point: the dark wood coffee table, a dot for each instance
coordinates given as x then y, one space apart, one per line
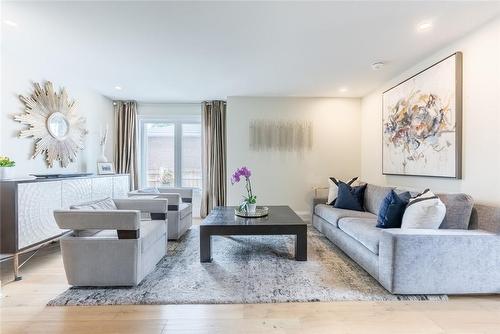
280 221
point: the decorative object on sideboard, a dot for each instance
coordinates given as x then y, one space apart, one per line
249 203
54 123
105 168
422 122
6 166
102 143
272 135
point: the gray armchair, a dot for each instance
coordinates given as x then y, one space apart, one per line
110 245
180 210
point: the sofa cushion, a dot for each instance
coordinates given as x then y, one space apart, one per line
332 215
350 198
102 204
374 196
184 210
458 211
362 230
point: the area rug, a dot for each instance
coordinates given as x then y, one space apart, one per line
246 269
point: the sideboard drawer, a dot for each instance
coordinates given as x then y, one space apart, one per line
36 204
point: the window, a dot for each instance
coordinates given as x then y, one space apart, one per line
170 152
191 155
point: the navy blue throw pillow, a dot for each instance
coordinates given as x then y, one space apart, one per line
350 198
392 209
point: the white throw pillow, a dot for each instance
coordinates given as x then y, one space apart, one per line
333 189
424 211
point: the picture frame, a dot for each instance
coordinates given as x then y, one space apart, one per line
422 122
105 168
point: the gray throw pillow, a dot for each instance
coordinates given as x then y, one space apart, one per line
458 211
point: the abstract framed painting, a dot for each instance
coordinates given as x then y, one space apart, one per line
422 122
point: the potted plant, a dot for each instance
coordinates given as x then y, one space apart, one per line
5 167
249 203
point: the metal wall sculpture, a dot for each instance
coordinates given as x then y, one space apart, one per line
53 122
274 135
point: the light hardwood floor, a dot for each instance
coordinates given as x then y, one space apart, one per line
23 310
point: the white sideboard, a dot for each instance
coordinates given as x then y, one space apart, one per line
27 206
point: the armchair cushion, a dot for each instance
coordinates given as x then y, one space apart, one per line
152 190
102 204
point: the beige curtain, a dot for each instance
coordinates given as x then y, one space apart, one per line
213 156
126 139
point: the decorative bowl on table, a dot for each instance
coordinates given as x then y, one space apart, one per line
260 211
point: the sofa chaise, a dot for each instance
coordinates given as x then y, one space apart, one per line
461 257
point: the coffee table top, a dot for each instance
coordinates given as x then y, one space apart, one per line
278 215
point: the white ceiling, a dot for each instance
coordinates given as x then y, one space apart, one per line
190 51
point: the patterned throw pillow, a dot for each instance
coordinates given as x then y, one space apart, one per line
424 211
334 189
392 209
350 198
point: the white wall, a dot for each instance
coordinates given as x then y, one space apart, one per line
289 178
168 109
481 121
24 59
98 110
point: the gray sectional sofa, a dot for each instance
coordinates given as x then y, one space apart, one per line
461 257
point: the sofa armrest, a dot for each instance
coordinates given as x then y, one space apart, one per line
319 200
152 205
417 261
98 219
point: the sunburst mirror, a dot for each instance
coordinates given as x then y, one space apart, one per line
54 123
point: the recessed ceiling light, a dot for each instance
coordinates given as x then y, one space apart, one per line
118 88
343 90
378 65
424 26
10 23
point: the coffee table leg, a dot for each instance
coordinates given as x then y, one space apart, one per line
301 246
205 246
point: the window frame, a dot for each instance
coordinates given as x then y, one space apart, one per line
177 121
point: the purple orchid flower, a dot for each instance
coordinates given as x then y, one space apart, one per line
244 172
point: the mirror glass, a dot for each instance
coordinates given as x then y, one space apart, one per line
58 125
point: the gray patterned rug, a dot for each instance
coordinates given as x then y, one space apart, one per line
245 270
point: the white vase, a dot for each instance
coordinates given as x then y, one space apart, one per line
251 208
5 173
102 157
